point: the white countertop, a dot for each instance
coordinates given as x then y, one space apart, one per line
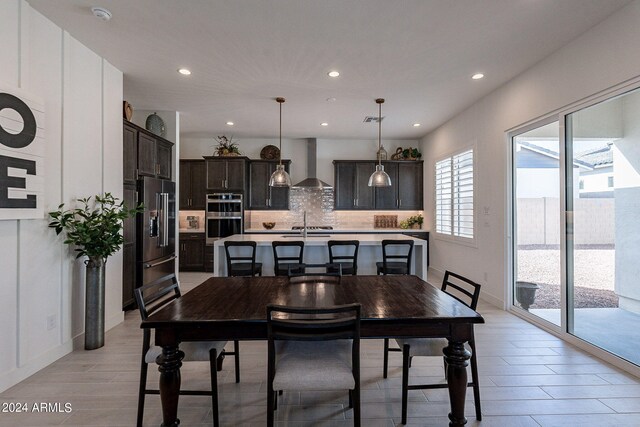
317 239
338 230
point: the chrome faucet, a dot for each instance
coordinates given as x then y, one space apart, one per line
304 224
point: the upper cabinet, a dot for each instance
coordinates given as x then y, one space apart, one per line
193 188
226 173
261 196
352 191
145 154
351 184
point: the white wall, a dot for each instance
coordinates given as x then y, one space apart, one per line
40 277
600 58
328 150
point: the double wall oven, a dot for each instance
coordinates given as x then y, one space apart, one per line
224 217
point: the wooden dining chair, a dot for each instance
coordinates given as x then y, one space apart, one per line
313 349
465 291
281 263
396 257
348 261
326 272
243 262
152 297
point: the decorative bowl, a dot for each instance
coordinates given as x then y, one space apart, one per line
268 225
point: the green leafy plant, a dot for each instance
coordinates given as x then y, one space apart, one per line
416 219
411 153
95 228
227 146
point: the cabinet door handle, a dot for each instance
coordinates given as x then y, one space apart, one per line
357 201
399 202
354 202
266 202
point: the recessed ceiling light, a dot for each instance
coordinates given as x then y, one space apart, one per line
332 99
333 74
184 71
477 76
230 123
101 13
415 125
324 124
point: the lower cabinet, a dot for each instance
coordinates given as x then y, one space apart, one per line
191 252
208 258
128 275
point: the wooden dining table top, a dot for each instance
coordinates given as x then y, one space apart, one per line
235 307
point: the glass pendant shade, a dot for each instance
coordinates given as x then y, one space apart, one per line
379 178
280 178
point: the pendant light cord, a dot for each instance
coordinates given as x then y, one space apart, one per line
379 101
280 101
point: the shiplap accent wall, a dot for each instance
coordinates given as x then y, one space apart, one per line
39 277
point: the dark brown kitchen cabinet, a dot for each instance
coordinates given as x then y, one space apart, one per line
224 174
352 189
261 196
191 251
129 249
130 154
193 184
145 154
405 192
208 258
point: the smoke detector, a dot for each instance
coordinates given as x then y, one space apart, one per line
101 13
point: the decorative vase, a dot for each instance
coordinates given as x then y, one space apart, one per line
94 304
526 293
155 124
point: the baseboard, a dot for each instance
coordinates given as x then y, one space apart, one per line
32 366
490 299
109 323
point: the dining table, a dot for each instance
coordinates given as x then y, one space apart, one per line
235 308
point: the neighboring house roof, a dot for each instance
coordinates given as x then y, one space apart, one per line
598 157
550 154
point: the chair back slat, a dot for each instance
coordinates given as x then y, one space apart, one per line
464 290
313 324
155 295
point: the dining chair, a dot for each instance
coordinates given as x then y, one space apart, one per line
465 291
243 262
313 349
152 297
396 257
281 268
348 261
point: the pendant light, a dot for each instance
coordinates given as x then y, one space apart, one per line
379 178
280 177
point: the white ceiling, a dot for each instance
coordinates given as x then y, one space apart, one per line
418 54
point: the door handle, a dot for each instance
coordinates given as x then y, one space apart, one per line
147 265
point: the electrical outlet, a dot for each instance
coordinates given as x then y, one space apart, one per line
51 322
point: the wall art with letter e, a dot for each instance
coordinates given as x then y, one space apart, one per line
22 153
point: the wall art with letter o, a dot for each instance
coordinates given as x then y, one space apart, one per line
22 152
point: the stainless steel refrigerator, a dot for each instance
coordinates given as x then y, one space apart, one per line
156 231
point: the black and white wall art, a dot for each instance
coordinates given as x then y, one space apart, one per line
22 153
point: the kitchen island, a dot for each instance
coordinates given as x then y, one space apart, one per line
316 250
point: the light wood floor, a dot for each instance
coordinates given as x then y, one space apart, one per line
528 378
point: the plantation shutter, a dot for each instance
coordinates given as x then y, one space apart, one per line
443 196
454 195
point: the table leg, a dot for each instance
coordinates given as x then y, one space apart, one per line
457 358
169 366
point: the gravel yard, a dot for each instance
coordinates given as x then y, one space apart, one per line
594 277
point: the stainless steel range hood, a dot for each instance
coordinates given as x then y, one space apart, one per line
311 182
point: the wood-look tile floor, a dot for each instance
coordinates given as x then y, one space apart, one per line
528 378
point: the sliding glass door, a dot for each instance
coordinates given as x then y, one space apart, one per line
576 223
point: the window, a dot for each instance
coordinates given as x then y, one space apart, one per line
454 195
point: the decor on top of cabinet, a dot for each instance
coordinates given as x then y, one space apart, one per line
412 222
226 147
155 124
406 154
95 230
127 110
270 152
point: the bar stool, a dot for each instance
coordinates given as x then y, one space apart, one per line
395 263
282 268
349 263
247 265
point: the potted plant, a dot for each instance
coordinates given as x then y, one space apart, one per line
95 230
226 147
412 222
